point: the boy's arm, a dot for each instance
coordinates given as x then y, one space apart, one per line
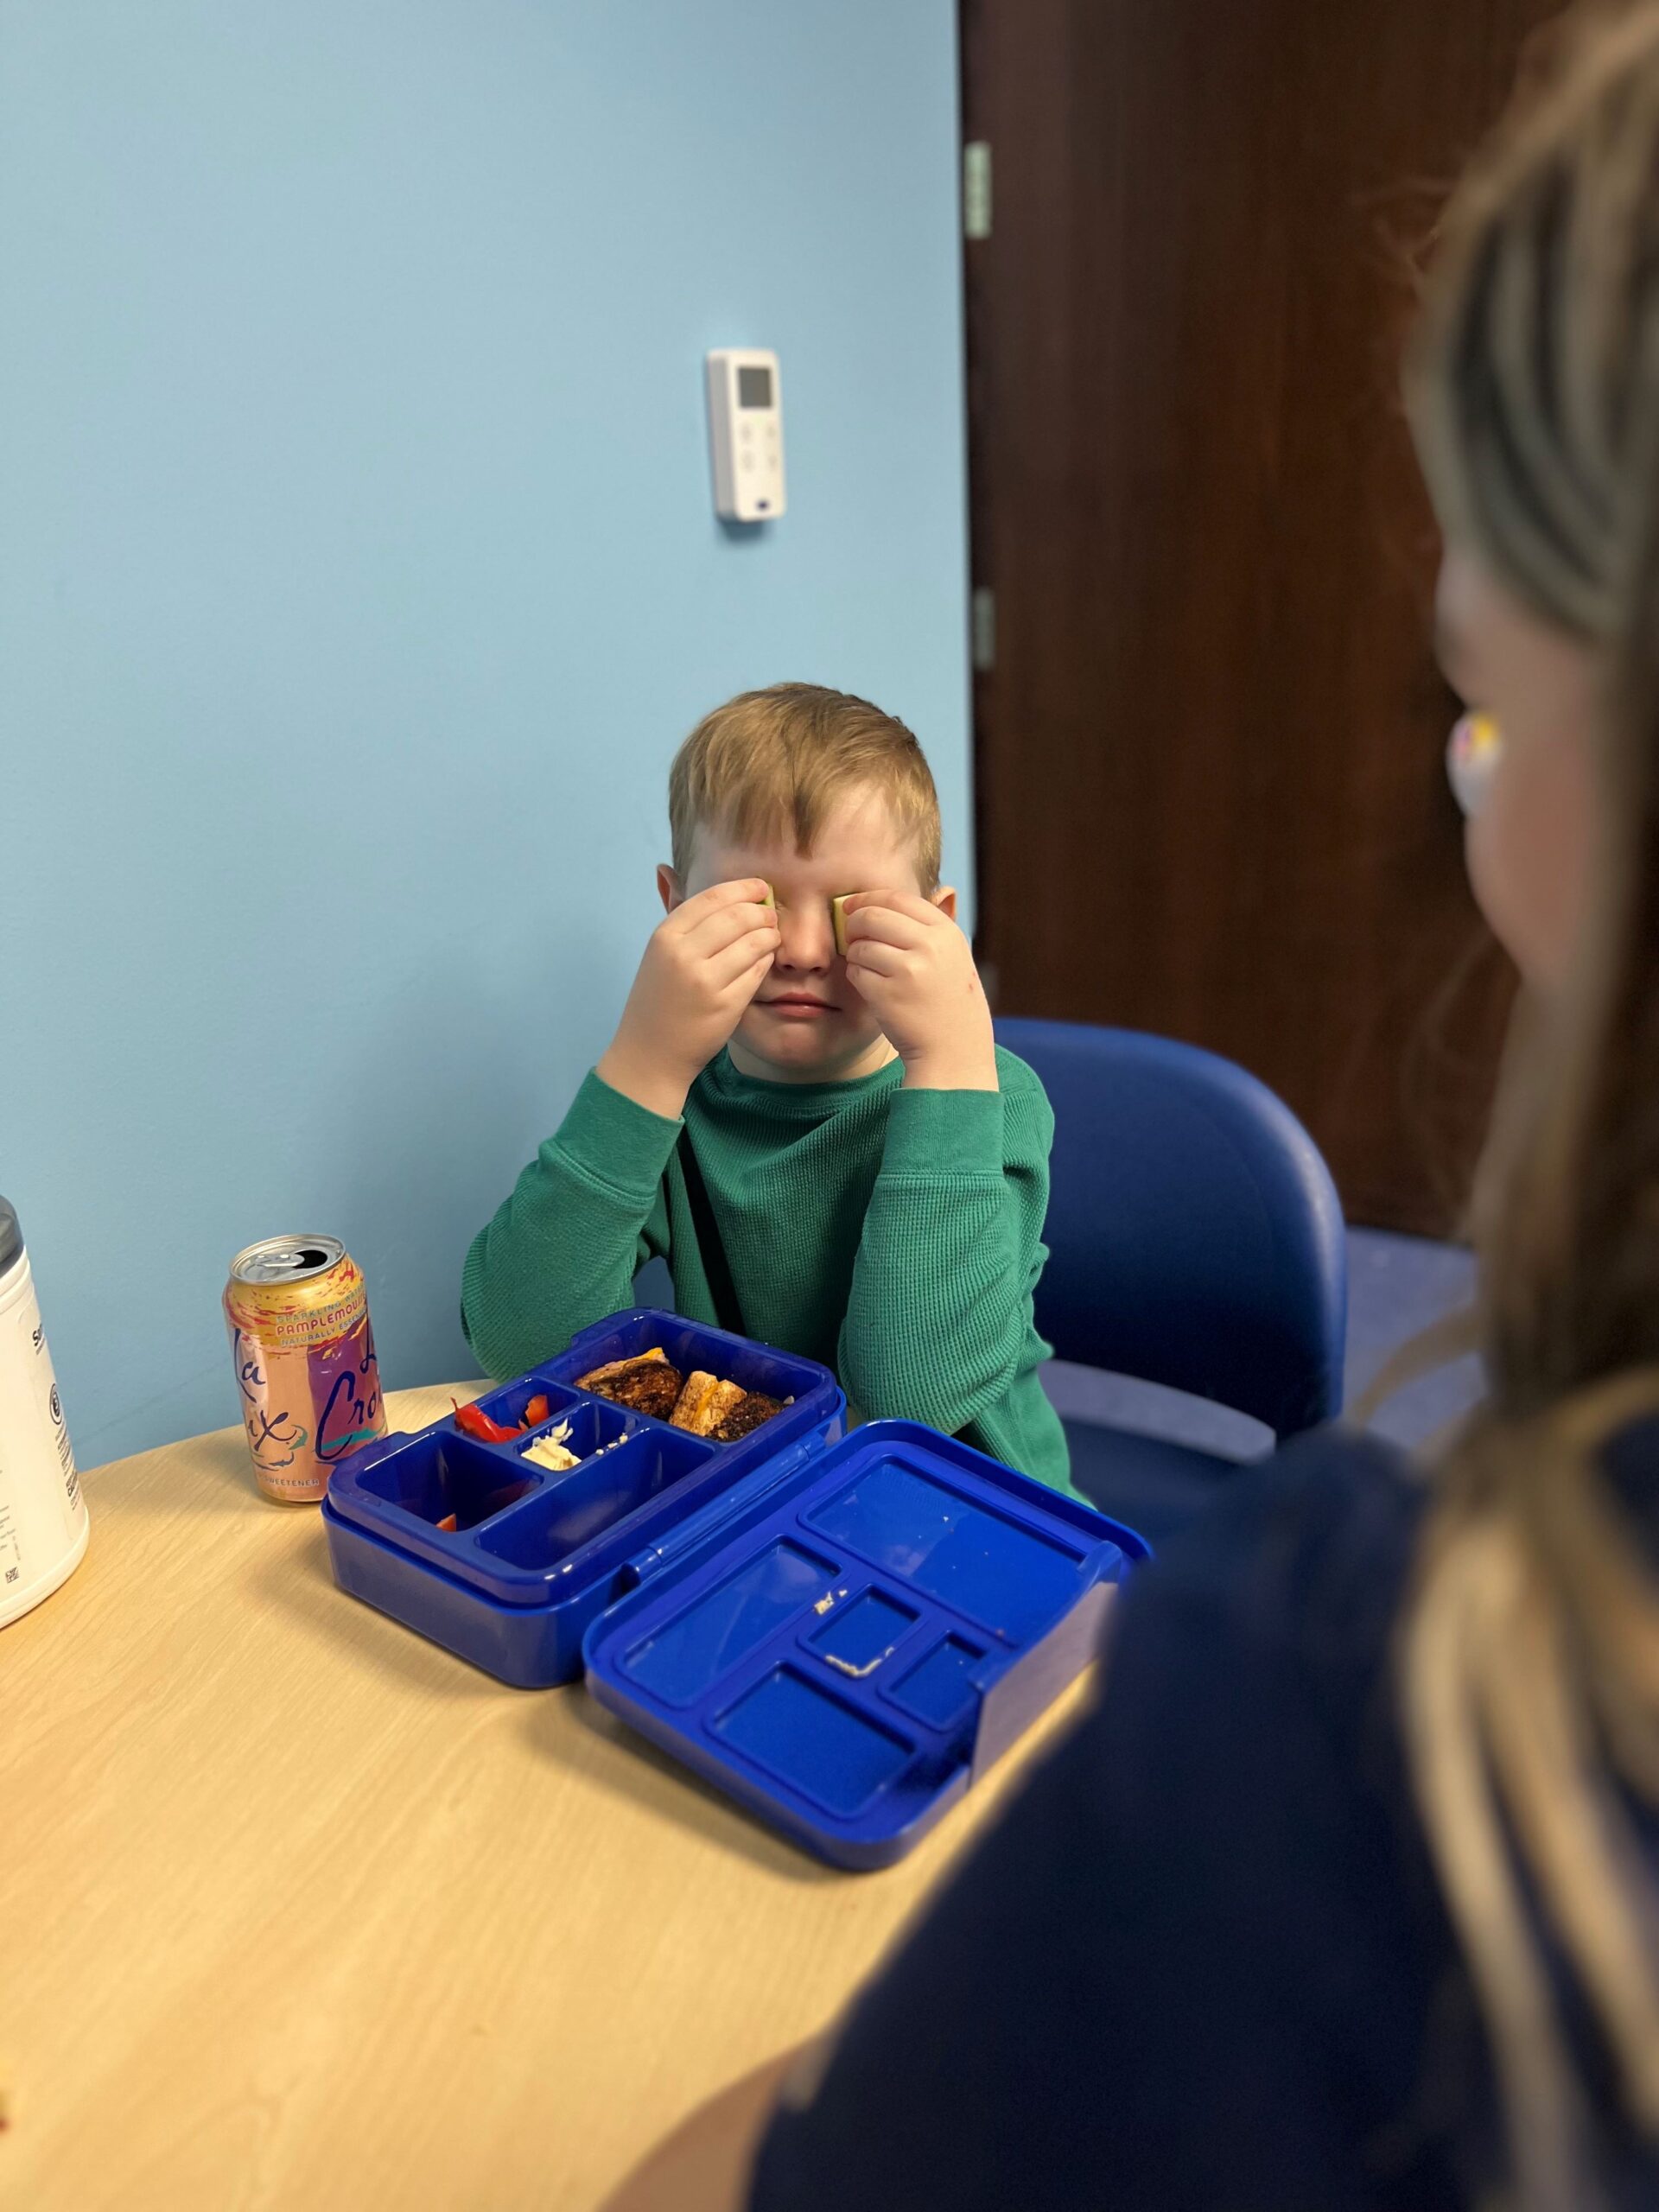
562 1251
937 1326
590 1209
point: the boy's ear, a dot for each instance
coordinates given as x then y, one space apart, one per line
945 900
668 887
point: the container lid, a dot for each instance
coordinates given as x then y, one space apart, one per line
11 1237
847 1657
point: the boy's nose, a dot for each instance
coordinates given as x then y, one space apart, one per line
809 937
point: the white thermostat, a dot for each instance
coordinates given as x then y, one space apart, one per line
746 431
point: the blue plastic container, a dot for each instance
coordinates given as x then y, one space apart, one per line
858 1644
534 1556
843 1634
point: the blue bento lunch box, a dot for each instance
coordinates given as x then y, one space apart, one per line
843 1632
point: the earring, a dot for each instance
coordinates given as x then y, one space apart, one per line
1470 756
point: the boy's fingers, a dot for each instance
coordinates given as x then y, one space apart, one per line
747 890
884 924
876 958
896 902
725 924
859 977
756 948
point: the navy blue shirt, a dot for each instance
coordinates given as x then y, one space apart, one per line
1203 1961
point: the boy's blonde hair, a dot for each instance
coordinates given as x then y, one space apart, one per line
777 761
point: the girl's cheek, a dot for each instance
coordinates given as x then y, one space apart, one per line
1528 851
1483 856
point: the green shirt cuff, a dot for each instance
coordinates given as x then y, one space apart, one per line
943 1132
615 1140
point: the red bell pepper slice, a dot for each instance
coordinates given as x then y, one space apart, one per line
472 1421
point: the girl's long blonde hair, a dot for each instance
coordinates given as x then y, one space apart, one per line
1529 1650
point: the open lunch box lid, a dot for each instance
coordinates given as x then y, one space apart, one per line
841 1633
850 1653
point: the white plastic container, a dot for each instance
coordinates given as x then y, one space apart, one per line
42 1513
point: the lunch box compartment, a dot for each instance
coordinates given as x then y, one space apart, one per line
941 1686
819 1744
572 1508
442 1475
857 1638
1007 1578
692 1346
699 1646
594 1426
508 1404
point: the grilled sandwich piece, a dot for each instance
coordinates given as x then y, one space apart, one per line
746 1416
597 1377
705 1402
648 1383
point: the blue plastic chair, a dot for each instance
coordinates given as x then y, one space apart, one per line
1195 1239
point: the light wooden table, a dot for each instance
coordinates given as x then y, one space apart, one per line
298 1910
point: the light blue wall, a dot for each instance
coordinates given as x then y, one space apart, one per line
359 574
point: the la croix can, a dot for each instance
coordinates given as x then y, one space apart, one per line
298 1309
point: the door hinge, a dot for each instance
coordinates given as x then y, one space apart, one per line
984 628
977 188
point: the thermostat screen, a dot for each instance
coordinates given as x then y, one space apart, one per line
754 387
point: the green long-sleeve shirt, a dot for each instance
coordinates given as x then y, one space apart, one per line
893 1235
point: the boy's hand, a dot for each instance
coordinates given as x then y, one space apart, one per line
702 968
914 970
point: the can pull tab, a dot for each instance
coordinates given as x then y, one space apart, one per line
749 1491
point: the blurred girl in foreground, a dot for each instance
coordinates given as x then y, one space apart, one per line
1345 1895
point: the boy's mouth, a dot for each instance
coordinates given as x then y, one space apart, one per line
799 1005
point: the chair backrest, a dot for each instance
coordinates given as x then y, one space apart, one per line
1195 1236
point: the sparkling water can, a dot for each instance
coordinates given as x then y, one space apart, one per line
297 1310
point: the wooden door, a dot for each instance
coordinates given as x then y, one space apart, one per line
1209 738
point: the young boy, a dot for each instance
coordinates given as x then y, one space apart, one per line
829 1150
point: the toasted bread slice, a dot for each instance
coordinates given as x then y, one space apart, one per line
654 1390
647 1384
838 920
699 1384
597 1377
704 1404
754 1409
